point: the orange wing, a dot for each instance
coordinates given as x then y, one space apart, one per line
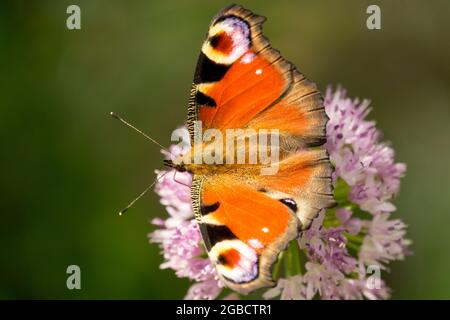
246 220
244 231
242 82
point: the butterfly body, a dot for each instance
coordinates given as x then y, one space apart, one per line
247 217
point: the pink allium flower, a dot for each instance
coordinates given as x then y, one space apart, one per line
363 162
341 243
384 242
182 247
174 194
205 290
292 288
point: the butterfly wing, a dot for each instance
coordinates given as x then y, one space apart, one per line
246 220
242 82
243 230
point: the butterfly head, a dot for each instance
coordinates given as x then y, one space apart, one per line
180 167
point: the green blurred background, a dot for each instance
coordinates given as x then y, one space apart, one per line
67 167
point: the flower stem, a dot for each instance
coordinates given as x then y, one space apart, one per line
292 263
276 268
341 191
356 239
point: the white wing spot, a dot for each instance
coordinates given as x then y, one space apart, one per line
265 229
255 243
258 71
248 57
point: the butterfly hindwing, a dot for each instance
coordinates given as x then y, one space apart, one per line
246 221
304 178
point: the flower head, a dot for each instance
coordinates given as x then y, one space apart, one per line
292 288
334 255
361 160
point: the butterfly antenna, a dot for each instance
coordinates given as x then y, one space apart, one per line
117 117
121 212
